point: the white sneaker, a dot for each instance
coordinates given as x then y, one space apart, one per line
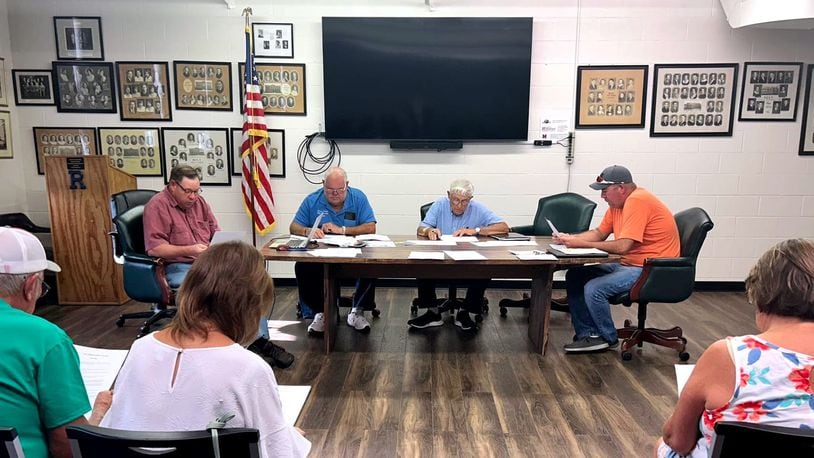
358 321
317 327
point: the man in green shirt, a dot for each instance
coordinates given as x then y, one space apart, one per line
41 389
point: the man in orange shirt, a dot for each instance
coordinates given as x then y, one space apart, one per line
642 227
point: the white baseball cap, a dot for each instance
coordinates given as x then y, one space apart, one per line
22 253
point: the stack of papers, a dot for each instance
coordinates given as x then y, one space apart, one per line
341 241
534 255
336 253
368 237
436 255
463 238
563 250
465 255
430 242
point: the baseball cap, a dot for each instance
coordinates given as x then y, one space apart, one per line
615 174
22 253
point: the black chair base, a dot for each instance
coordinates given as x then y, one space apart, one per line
153 317
445 304
633 336
525 303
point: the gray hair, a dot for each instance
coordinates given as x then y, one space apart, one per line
12 284
334 171
462 187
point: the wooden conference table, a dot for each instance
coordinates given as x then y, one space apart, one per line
394 263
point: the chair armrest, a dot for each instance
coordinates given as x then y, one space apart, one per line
142 259
525 230
667 280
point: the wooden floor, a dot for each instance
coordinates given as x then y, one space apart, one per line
438 393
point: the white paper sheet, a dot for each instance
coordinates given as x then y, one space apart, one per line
336 253
683 372
380 244
534 255
465 255
506 243
430 242
462 238
339 240
293 398
99 368
379 237
437 255
577 251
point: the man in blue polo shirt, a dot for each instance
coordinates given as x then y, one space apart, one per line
457 215
346 211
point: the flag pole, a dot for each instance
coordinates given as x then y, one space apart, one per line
248 68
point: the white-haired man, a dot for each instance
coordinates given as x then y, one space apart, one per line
41 389
458 215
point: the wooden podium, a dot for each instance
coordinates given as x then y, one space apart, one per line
79 190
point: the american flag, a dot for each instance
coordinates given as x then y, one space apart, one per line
255 150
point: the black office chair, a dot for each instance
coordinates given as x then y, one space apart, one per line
737 439
96 442
22 221
568 212
144 275
668 280
11 447
451 303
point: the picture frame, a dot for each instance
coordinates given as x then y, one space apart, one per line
63 141
84 87
279 83
3 84
611 96
79 38
135 150
273 40
203 85
696 100
33 87
144 91
276 152
6 145
206 149
807 127
770 90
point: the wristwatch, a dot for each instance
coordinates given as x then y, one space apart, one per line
477 231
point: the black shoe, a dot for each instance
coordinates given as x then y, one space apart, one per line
463 321
427 320
274 354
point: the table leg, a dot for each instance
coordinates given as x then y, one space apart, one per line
329 306
540 307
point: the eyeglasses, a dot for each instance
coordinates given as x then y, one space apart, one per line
45 288
460 201
334 191
189 191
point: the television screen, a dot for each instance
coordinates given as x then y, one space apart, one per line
426 78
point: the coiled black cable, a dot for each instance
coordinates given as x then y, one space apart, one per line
315 166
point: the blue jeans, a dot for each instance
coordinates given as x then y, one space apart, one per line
589 288
177 271
311 295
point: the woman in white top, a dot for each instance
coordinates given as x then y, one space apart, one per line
196 369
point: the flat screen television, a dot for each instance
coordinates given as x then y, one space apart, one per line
426 79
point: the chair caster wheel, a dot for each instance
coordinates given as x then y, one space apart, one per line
628 323
504 311
627 356
376 313
683 356
120 322
413 310
479 318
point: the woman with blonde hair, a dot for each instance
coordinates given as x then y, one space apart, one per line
766 378
196 369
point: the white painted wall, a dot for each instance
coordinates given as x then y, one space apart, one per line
12 182
754 184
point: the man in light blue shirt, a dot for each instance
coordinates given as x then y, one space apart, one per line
346 211
457 215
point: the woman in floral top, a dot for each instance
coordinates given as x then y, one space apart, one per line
765 378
